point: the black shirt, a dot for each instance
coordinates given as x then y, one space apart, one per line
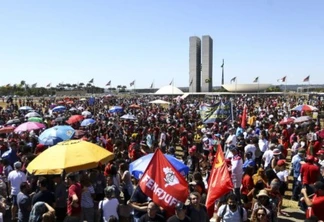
45 196
157 218
138 197
175 219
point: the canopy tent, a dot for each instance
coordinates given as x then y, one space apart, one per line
159 101
169 90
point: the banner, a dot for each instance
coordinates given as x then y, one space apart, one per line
163 183
221 112
220 182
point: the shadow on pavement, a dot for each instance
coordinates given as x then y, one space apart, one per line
293 216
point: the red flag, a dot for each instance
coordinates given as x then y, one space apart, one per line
220 182
163 183
244 117
283 79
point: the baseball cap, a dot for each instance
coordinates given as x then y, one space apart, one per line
281 162
319 185
180 206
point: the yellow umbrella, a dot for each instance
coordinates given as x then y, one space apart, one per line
71 156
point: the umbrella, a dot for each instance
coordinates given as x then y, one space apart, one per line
69 156
134 106
302 119
115 109
73 109
128 117
13 121
32 114
287 120
7 129
29 126
60 119
305 108
74 119
87 122
50 141
25 108
61 132
35 119
59 109
138 167
86 113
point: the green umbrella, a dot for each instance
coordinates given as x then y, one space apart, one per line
35 119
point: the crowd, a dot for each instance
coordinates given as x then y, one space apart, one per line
257 157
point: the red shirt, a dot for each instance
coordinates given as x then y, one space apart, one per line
74 189
318 206
247 184
309 173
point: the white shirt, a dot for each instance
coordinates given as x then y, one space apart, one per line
250 148
282 175
267 156
264 145
109 208
231 140
16 178
230 216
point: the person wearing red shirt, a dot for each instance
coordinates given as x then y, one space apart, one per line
74 197
316 205
314 147
309 171
247 186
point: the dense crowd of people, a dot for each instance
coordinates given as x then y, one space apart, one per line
257 156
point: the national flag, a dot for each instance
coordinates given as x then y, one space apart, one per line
220 182
108 83
8 85
171 83
191 81
163 183
34 85
256 79
283 79
306 79
233 79
132 83
48 85
91 81
244 117
151 87
222 66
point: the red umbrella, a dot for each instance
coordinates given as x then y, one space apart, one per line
287 121
7 129
134 106
74 119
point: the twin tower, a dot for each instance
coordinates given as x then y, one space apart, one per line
200 64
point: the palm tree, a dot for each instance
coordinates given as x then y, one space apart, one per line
22 83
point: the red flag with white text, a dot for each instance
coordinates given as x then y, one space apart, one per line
163 183
244 117
220 182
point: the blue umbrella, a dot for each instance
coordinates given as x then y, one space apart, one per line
25 108
50 141
87 122
56 134
115 109
59 109
138 167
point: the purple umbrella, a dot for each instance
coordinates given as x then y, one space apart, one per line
28 126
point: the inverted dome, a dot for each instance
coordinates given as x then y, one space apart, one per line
169 90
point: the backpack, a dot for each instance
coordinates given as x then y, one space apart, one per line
240 211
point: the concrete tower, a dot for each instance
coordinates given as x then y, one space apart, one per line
207 64
194 64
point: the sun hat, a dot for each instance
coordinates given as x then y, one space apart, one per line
276 152
263 193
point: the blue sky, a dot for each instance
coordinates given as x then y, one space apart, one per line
74 41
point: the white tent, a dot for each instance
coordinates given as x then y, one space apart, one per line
159 101
169 90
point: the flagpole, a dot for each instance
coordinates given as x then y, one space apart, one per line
258 86
235 86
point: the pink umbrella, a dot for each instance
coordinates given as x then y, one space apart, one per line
28 126
287 120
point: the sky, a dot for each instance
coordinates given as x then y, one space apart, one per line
73 41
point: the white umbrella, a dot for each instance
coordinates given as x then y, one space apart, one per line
159 101
32 114
128 117
80 108
73 109
302 119
86 113
25 108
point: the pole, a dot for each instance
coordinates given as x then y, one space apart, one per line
223 73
